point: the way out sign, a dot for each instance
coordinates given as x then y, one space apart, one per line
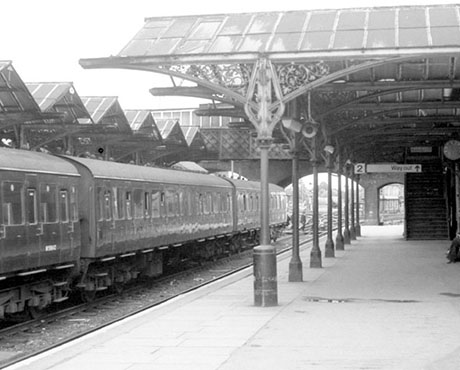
361 168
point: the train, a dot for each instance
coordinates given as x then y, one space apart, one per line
79 225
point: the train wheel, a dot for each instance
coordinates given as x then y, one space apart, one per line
36 312
88 295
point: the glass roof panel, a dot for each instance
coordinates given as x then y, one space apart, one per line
192 46
316 41
180 28
285 42
442 17
291 22
313 29
205 30
351 39
352 20
149 33
163 46
225 44
381 38
7 100
445 35
322 21
413 37
263 23
235 24
137 47
412 18
255 42
380 19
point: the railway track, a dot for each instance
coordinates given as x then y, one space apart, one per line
28 339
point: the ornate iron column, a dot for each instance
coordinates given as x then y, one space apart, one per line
346 232
358 226
352 211
329 247
315 253
295 264
264 116
339 244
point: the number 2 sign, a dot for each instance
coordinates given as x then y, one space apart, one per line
360 168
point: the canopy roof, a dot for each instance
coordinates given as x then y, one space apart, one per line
284 34
381 80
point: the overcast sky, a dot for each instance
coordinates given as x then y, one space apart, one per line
45 39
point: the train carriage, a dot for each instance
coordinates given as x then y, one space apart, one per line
39 231
70 223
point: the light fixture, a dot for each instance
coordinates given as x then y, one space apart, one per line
292 124
329 149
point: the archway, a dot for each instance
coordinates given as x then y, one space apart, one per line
391 204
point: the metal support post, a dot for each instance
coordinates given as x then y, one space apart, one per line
315 253
346 232
295 265
339 245
265 281
352 211
358 226
457 196
329 247
264 116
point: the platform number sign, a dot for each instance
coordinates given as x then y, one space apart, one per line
360 168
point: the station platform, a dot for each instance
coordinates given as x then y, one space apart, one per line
383 303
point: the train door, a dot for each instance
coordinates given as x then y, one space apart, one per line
33 230
14 252
67 221
49 222
105 224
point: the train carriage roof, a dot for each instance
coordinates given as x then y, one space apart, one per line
35 162
129 172
253 185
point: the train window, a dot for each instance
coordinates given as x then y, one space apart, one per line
155 204
257 203
172 205
180 203
12 203
147 204
100 203
200 204
31 206
245 203
189 204
48 206
64 206
118 210
128 205
73 204
138 206
107 205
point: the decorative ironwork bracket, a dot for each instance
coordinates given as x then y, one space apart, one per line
259 107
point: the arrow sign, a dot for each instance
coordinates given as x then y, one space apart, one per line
402 168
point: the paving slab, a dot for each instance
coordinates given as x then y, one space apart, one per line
383 303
